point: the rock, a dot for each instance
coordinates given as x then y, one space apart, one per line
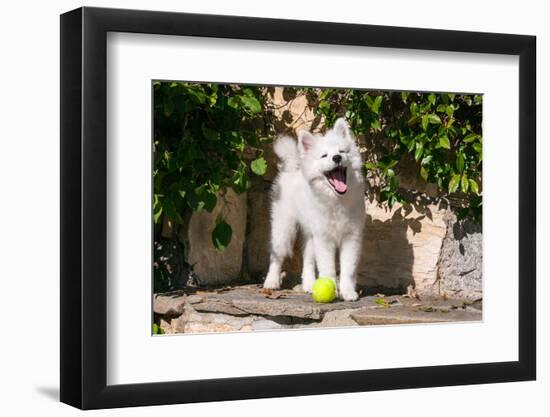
443 309
169 305
248 300
285 308
402 315
219 306
337 318
461 260
209 265
194 322
262 323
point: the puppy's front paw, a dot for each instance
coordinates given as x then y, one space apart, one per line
348 294
307 284
272 282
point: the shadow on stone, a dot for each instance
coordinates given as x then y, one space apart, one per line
387 257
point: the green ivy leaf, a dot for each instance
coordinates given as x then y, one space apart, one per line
478 147
212 99
411 145
419 150
197 94
425 121
234 102
369 100
237 141
454 183
157 209
392 163
471 137
221 235
464 183
426 160
460 162
156 215
474 186
201 198
424 107
434 119
157 329
444 142
194 202
241 182
392 200
424 173
376 104
251 104
259 166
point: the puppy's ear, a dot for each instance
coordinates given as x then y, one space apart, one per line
341 128
305 141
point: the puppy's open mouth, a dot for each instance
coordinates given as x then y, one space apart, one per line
337 178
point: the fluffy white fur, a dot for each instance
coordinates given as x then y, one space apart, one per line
331 220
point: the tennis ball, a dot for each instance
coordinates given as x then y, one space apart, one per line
324 290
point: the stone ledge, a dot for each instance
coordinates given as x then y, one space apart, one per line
248 308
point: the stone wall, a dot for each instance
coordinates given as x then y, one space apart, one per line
211 266
418 248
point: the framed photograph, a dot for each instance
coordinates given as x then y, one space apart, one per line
257 208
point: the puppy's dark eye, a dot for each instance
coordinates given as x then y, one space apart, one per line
324 155
342 151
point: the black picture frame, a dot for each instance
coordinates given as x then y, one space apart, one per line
84 207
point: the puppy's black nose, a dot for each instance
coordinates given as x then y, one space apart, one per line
337 159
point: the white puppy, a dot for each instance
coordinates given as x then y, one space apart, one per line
320 188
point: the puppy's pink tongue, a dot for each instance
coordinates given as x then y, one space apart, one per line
337 180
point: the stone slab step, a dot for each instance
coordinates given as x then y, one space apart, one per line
252 300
